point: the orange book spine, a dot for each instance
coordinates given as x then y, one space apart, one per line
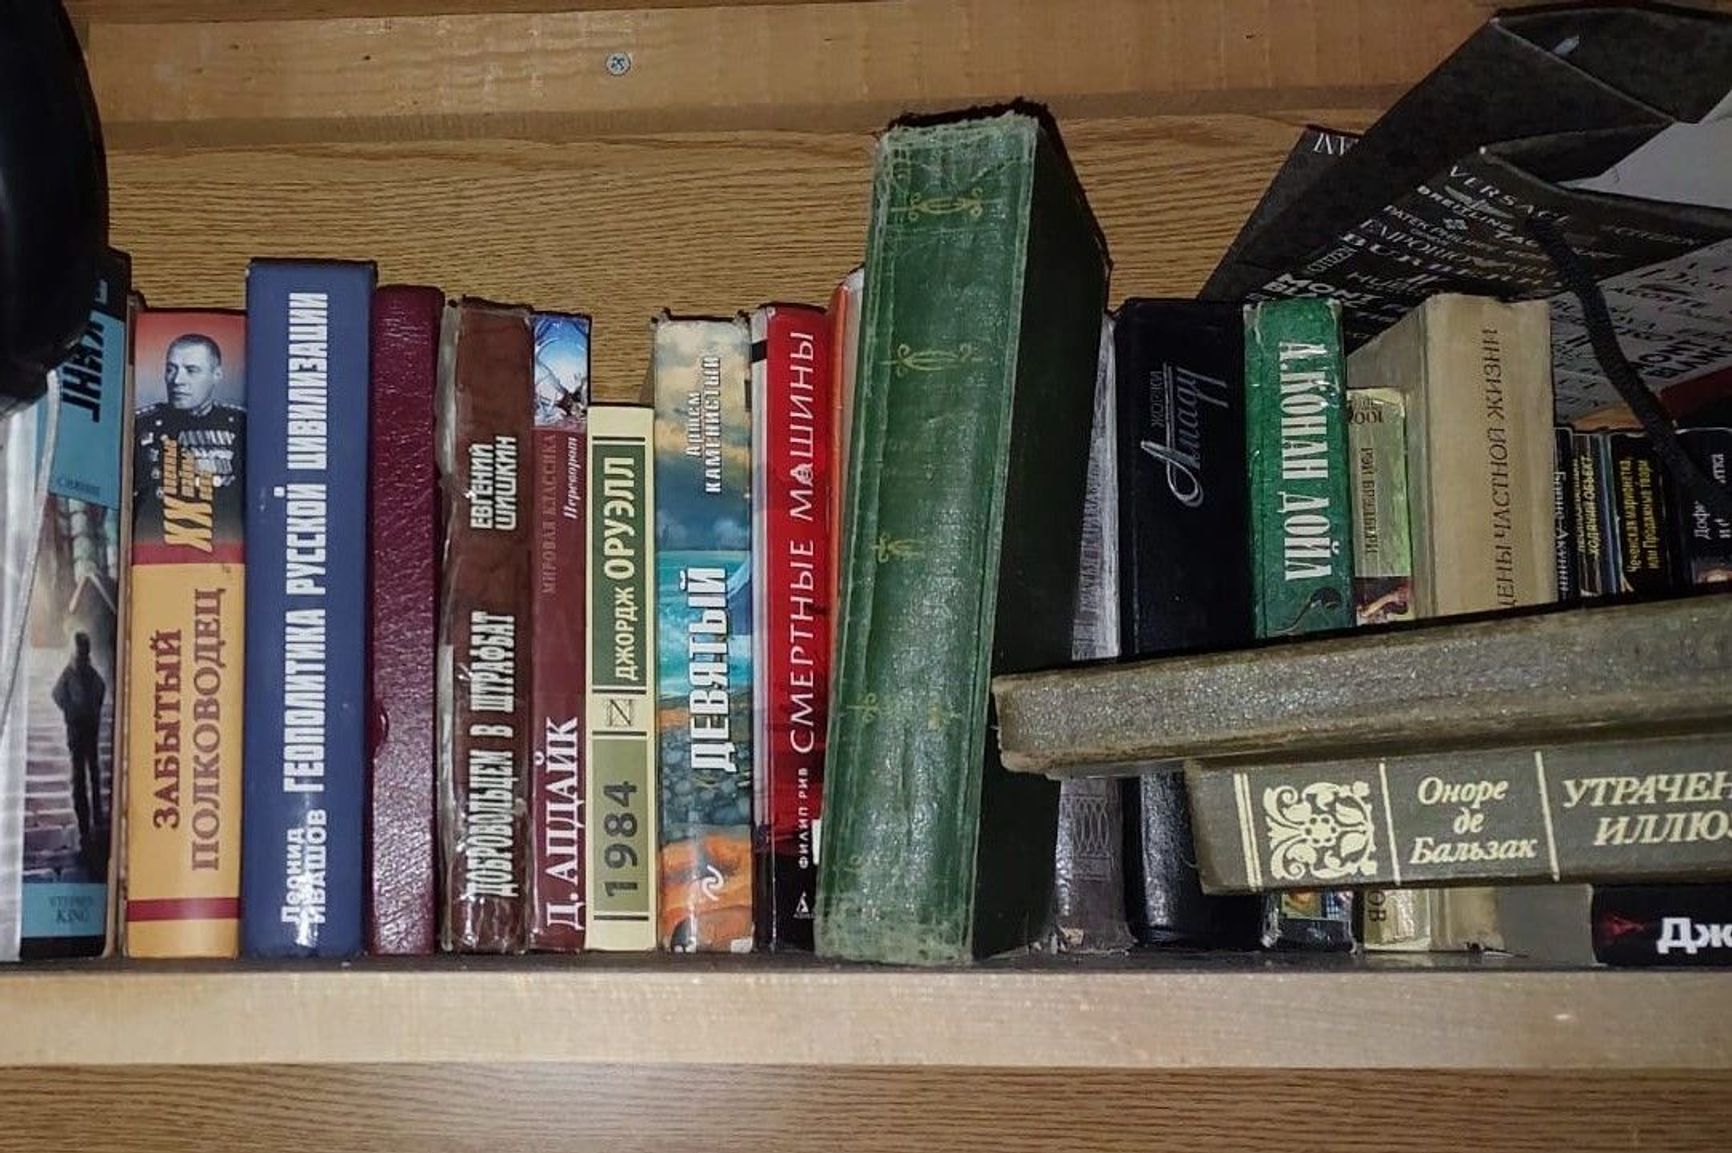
184 636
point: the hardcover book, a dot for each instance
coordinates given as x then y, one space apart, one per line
1475 377
1545 675
403 582
1296 448
1595 551
1705 541
1610 810
1184 555
702 371
184 648
63 706
793 413
1662 925
844 314
1184 527
1382 545
486 383
557 852
985 284
1566 528
1639 498
620 733
308 332
1088 887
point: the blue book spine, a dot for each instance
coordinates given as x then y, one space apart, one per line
308 328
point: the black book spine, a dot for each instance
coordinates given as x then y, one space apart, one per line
1663 925
1639 504
1184 555
1564 513
1704 540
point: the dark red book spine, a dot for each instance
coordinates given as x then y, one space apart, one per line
402 584
793 455
556 775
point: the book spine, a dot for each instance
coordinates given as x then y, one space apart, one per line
620 733
1184 536
185 652
1705 541
1301 547
71 648
1296 442
844 314
556 786
308 328
1382 546
1609 810
704 600
792 475
1565 527
403 592
1611 558
18 510
1662 925
487 362
1640 509
1590 540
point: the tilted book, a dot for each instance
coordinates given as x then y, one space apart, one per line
485 383
308 332
560 510
1613 810
1432 685
793 465
61 723
702 371
985 284
1475 377
619 750
184 649
403 582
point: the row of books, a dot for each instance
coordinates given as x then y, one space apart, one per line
417 647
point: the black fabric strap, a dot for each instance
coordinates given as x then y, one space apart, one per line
1579 280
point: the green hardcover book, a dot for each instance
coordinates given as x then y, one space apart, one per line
1296 437
985 282
1301 526
703 510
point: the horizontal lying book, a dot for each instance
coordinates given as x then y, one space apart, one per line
1634 669
1657 809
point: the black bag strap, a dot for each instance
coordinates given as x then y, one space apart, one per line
1578 280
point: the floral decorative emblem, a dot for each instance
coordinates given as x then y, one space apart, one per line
888 548
909 359
1322 832
970 204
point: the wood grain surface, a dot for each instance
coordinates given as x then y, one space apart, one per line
804 67
1158 1012
502 1108
623 226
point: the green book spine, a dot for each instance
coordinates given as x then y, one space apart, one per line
1296 437
1382 545
985 282
704 621
619 741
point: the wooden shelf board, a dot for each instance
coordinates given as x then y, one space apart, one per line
694 1012
799 66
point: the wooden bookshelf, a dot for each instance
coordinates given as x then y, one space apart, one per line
490 148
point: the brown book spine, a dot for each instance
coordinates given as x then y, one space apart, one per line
557 771
485 383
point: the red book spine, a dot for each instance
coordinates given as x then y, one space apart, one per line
402 589
557 776
793 418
